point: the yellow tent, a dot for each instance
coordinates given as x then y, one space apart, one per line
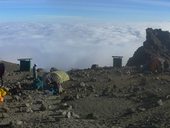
59 76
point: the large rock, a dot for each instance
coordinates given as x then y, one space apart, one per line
157 45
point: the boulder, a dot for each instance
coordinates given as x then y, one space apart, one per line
95 66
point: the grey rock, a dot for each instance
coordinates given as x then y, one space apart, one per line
29 110
168 97
50 107
64 113
76 116
68 115
4 115
141 75
67 98
116 127
95 66
43 107
27 105
39 102
5 109
91 116
70 107
160 102
82 84
17 98
77 96
130 111
64 105
141 109
93 80
19 122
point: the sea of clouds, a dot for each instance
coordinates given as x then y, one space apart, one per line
67 45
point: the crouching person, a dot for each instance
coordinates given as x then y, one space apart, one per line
38 83
56 88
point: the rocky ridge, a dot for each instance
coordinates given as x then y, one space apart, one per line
157 45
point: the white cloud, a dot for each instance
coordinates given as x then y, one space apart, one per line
72 45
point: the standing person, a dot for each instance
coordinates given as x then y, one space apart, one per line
35 71
166 65
2 71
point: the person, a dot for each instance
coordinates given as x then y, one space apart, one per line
2 71
56 88
34 72
38 83
166 65
52 85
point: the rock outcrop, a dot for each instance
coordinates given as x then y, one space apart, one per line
157 45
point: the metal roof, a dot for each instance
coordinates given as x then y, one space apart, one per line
117 57
25 59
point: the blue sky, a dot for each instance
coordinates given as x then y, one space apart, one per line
108 10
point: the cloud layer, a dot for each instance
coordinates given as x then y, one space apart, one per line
71 45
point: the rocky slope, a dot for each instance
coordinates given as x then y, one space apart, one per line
93 98
157 45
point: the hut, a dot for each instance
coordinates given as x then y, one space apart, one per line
25 64
117 61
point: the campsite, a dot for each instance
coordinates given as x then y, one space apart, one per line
103 97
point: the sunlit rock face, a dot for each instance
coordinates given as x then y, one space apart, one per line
157 45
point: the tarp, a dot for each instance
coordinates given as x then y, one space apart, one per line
59 76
